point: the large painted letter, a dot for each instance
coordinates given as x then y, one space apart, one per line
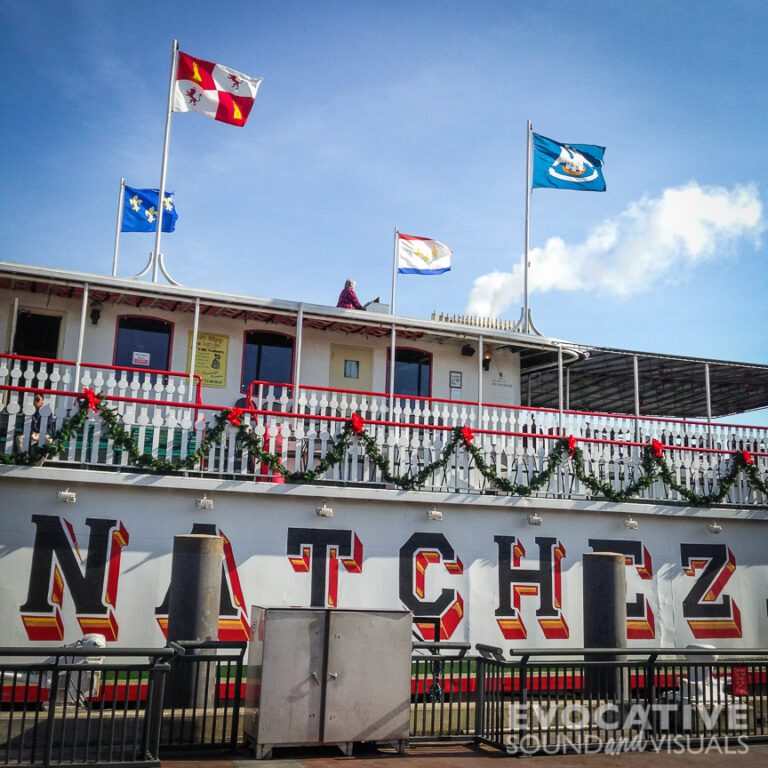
57 564
319 552
233 614
641 623
707 616
448 610
516 582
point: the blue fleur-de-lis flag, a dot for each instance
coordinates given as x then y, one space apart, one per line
567 166
140 210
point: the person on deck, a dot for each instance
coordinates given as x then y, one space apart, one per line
348 298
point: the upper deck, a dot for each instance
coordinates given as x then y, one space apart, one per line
167 362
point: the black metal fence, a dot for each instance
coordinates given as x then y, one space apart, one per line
76 708
607 700
103 706
204 696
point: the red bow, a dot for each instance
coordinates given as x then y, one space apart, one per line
234 416
468 435
571 444
748 458
357 423
91 399
657 447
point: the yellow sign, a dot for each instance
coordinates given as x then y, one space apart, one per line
210 358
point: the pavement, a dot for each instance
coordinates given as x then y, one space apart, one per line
461 756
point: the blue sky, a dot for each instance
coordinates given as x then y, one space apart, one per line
376 115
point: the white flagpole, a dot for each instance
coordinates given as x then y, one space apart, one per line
529 129
394 332
164 167
120 203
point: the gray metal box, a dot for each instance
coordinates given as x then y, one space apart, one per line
318 676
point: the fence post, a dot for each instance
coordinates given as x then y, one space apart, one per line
480 699
650 690
524 697
155 704
238 699
53 694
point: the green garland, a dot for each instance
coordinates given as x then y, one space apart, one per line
653 464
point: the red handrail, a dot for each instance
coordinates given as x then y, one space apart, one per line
374 422
566 412
103 366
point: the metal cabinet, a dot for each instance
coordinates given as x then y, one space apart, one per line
318 676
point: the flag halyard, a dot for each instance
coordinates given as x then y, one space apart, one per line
213 90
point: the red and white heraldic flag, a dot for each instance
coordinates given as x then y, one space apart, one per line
213 90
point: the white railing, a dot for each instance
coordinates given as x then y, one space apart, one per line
411 411
517 454
165 388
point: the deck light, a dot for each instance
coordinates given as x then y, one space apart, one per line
204 503
434 514
715 527
324 510
487 360
96 307
67 496
630 524
535 519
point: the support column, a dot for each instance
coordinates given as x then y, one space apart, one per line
193 613
80 337
480 352
636 377
297 353
709 405
605 620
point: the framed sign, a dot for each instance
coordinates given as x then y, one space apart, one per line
210 358
454 379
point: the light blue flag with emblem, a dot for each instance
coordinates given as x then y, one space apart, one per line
140 210
567 166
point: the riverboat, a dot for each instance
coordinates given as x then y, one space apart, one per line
454 466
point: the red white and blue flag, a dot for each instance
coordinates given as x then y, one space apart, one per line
213 90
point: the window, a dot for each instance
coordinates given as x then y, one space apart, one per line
143 342
351 369
413 372
267 357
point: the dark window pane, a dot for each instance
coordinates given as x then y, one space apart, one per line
143 343
268 357
412 372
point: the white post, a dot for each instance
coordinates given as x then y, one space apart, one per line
392 375
81 336
636 375
560 387
14 321
118 228
394 273
193 351
164 166
568 388
480 353
709 404
297 361
529 128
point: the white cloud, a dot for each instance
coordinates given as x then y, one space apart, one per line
652 240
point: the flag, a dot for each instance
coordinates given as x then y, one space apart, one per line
422 256
140 211
213 90
567 166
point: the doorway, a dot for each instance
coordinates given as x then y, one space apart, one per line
37 335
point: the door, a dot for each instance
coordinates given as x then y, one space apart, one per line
292 677
368 680
37 334
351 368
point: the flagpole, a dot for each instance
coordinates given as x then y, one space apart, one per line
164 167
120 204
529 128
394 331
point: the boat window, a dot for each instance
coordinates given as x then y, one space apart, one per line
413 372
267 357
143 342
